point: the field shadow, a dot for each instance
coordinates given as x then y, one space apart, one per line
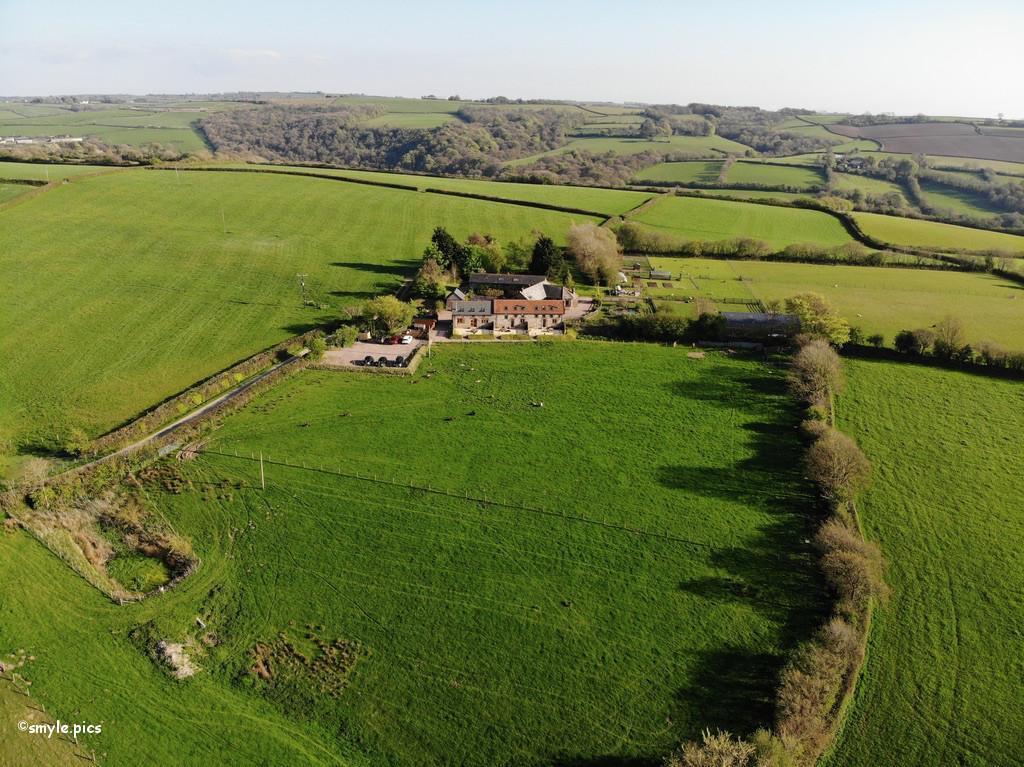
772 570
399 268
734 690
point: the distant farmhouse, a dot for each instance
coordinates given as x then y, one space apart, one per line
508 303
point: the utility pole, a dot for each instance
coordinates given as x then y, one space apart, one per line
302 286
263 480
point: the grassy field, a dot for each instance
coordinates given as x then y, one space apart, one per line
704 171
112 126
411 120
773 175
610 202
930 234
874 186
125 288
10 191
942 681
876 299
47 172
702 219
487 635
708 145
960 201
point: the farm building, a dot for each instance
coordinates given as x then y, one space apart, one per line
507 315
758 326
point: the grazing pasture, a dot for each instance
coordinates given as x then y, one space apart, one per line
912 232
609 202
886 300
47 171
706 219
876 299
848 182
711 146
942 680
112 126
122 289
703 171
487 635
411 120
957 201
774 175
10 191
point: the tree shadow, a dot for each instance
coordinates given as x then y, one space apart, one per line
734 690
398 268
772 570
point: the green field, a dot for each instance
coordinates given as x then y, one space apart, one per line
684 172
774 175
702 219
125 288
957 201
411 120
930 234
47 171
490 635
10 191
756 194
942 681
114 125
609 202
707 145
740 173
848 182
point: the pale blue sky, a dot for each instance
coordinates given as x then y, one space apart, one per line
939 57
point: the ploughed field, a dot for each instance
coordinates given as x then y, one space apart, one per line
942 680
368 622
122 289
939 138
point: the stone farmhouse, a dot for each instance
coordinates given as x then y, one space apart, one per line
508 303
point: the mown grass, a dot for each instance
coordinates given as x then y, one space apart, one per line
490 635
411 120
123 289
607 201
942 680
704 171
702 219
774 175
931 234
47 171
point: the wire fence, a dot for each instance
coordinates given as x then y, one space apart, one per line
464 495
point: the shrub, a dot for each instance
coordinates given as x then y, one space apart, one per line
816 373
914 341
596 252
838 466
346 335
817 317
719 749
877 340
317 346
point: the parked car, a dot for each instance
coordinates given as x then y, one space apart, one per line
393 340
407 339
